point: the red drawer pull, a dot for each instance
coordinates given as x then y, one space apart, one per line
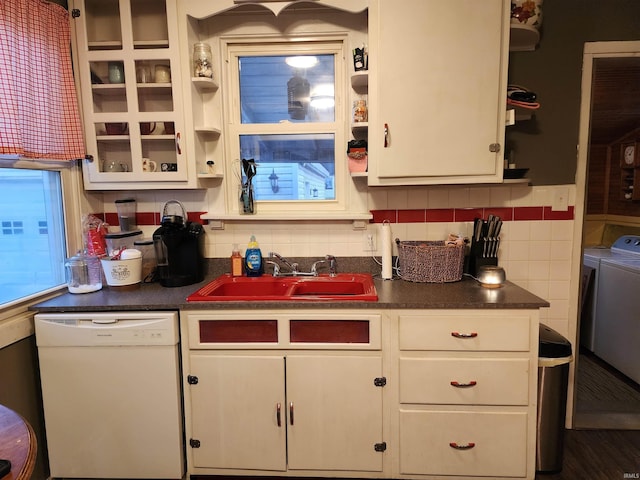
468 446
464 335
472 383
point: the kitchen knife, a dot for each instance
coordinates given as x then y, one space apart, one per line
477 229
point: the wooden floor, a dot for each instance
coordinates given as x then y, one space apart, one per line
605 398
599 455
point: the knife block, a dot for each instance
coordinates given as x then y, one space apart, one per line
478 256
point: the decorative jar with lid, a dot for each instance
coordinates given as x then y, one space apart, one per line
202 60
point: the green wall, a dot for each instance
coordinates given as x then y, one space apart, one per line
547 144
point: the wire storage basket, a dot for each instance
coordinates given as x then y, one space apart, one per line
430 261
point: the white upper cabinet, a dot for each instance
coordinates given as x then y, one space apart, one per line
128 56
437 91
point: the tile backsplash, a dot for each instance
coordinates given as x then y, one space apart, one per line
536 240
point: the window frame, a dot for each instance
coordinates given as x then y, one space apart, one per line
235 47
71 194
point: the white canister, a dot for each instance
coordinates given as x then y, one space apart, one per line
126 271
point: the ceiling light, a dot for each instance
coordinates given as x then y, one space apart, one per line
302 61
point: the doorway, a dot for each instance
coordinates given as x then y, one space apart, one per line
610 109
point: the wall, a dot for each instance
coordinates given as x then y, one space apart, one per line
547 144
20 380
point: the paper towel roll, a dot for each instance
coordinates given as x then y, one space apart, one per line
387 268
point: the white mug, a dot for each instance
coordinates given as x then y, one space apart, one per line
163 74
149 165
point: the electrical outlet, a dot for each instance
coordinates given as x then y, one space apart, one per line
560 201
369 241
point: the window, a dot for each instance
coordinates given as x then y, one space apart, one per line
32 250
290 121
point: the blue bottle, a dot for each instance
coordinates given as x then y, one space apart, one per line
253 265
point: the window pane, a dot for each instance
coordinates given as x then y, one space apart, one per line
32 243
271 90
292 167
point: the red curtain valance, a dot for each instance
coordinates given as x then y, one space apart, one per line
39 115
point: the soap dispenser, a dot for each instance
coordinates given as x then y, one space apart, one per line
236 262
253 259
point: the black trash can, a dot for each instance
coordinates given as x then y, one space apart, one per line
554 356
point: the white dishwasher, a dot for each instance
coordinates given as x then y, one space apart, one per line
111 394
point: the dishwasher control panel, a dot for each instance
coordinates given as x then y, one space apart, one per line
117 328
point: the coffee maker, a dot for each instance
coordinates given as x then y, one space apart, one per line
179 247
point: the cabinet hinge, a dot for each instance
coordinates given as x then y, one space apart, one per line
494 147
380 447
192 380
380 381
75 13
194 443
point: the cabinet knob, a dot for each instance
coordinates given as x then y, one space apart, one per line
279 414
291 413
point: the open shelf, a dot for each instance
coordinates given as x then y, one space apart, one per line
360 79
524 38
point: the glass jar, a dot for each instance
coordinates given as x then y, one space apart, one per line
360 113
202 60
145 246
84 273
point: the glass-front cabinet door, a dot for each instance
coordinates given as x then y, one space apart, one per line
128 59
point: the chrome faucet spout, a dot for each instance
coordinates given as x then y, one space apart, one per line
293 266
314 267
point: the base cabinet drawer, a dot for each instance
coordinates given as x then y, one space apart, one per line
458 381
463 443
465 333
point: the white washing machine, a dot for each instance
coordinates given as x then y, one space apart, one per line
591 259
617 333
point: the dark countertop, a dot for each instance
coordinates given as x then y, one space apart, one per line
392 294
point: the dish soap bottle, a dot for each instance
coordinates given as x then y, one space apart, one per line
253 259
236 262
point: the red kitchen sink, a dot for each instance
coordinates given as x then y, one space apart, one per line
342 287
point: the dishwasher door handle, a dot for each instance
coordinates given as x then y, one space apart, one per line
104 321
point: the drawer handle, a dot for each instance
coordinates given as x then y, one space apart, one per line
291 413
464 335
472 383
468 446
279 414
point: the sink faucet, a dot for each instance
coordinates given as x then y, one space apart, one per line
333 266
276 268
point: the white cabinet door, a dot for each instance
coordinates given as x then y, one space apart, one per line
337 412
331 418
234 412
437 91
130 83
